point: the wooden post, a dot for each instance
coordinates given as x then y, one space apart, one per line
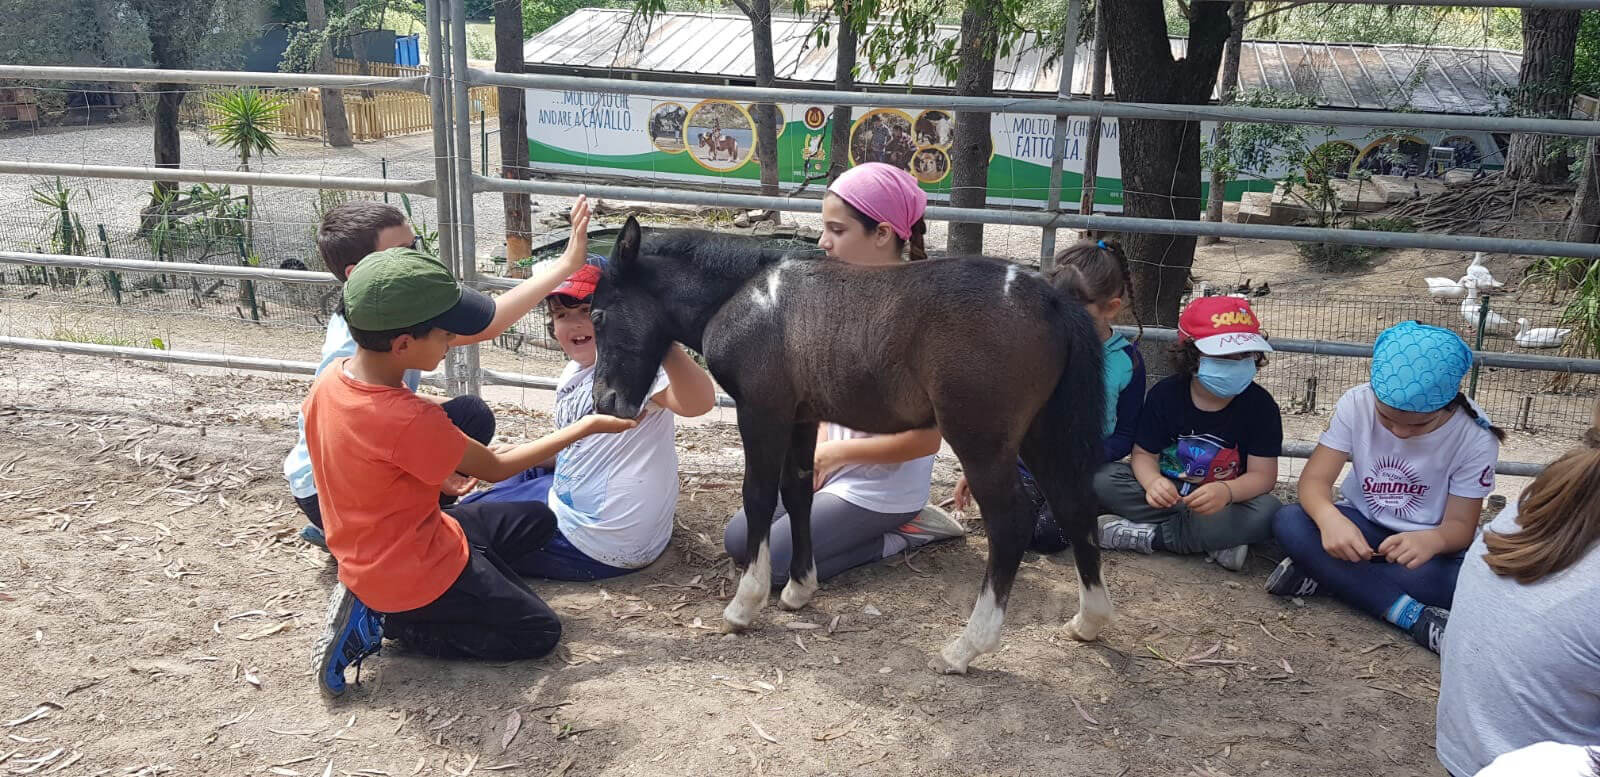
1525 420
1483 322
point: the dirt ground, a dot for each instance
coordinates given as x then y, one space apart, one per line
155 603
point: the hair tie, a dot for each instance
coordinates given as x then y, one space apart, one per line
1102 244
1482 422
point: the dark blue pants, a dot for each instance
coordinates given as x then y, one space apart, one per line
1366 585
557 558
470 414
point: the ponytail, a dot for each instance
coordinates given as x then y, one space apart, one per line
1095 271
916 249
1560 518
1460 401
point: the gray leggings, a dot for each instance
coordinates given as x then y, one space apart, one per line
843 536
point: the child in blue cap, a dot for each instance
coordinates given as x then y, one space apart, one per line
1422 459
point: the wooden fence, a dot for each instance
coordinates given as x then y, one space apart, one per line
373 115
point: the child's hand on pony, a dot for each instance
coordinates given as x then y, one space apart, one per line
578 244
600 423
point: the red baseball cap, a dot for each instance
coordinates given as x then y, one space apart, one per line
580 285
1221 326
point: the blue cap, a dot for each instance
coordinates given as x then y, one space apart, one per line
1418 368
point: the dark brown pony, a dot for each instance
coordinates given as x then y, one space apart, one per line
1000 361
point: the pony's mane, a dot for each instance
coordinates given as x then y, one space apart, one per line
717 253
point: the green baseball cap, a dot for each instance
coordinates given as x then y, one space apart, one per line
403 287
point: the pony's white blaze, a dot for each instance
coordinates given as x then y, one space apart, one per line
798 592
982 634
1012 272
753 588
1094 613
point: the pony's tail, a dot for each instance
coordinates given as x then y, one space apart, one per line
1079 401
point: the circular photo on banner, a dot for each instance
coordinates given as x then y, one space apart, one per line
883 135
719 135
1394 155
776 109
666 127
930 165
935 128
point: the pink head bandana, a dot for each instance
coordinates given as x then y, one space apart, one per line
888 194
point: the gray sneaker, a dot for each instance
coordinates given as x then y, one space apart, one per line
930 525
1118 533
1231 559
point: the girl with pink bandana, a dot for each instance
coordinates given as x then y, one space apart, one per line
871 489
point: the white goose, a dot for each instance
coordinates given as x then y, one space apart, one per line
1444 288
1479 273
1543 337
1469 310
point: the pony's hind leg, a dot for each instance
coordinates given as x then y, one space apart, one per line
798 466
1068 486
765 445
997 486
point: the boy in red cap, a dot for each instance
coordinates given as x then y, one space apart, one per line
1205 456
613 496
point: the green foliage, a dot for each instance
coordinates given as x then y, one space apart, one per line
429 237
61 224
197 223
244 116
1586 64
1416 25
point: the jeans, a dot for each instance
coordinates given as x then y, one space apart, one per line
1366 585
488 613
1182 531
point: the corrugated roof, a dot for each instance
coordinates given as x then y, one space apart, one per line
1433 79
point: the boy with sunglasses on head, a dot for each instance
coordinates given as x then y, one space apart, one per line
347 235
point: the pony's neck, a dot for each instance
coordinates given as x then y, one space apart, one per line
721 275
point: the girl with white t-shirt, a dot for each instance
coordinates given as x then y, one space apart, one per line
871 489
1422 459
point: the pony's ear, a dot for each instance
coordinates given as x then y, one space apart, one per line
627 250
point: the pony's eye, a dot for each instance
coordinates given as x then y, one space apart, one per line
595 316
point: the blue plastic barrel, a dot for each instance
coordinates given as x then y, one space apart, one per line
407 51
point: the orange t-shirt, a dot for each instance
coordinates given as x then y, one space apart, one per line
379 455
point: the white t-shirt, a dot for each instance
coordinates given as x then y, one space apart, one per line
881 488
1520 662
614 495
1402 485
1545 759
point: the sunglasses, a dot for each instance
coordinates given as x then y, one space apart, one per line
416 243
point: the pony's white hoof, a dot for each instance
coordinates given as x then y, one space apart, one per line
1079 628
735 618
797 593
953 659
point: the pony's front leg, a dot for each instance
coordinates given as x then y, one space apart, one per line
765 443
798 468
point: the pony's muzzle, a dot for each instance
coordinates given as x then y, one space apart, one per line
611 402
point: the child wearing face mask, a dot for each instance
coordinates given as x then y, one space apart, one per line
1205 454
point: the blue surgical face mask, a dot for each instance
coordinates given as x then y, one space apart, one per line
1226 377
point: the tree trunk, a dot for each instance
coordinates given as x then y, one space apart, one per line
1544 89
168 149
844 80
1230 86
765 114
1097 92
972 143
1584 224
336 125
1161 159
513 129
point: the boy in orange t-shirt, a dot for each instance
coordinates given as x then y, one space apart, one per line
443 582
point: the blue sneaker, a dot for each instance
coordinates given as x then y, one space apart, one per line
351 632
310 533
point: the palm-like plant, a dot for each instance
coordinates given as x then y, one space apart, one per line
244 117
